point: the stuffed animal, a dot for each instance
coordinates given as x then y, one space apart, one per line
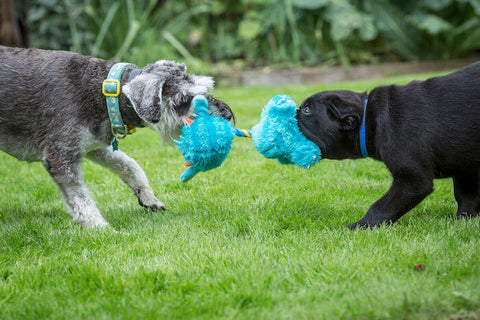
277 136
206 142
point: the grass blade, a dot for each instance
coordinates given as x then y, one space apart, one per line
132 32
104 28
180 48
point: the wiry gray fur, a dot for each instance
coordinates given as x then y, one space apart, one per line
52 110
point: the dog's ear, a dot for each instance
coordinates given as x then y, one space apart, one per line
145 94
347 117
164 86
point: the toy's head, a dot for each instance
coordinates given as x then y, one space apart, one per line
277 134
206 142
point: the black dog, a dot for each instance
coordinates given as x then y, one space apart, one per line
421 131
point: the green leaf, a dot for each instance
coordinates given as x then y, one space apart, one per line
391 24
310 4
436 5
179 46
368 31
252 2
475 5
467 35
217 8
131 35
36 14
345 19
432 24
249 29
104 28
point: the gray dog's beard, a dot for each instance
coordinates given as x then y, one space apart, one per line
170 125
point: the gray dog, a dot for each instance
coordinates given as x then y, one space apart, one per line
52 109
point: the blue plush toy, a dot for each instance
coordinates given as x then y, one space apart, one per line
277 136
206 142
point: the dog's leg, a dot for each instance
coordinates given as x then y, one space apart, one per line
68 177
404 194
467 194
130 172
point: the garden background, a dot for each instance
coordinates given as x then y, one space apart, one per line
253 33
252 239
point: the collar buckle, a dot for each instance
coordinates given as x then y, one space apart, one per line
111 88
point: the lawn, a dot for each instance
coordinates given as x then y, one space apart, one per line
250 240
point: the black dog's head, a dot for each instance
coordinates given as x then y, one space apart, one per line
331 119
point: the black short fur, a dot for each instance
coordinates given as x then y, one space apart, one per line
421 131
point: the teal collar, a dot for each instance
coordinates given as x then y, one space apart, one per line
111 89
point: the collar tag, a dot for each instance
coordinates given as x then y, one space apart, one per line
111 89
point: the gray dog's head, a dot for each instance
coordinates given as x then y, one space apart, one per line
162 94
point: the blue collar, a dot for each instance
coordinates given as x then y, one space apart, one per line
363 141
133 74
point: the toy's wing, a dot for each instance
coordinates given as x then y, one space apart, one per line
189 174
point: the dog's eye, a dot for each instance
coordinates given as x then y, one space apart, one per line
306 110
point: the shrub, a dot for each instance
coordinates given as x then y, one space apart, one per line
256 31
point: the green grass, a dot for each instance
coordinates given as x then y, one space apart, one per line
250 240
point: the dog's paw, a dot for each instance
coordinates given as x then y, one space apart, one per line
153 205
466 215
356 225
361 224
147 199
92 222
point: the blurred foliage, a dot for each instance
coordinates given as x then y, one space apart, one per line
258 32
